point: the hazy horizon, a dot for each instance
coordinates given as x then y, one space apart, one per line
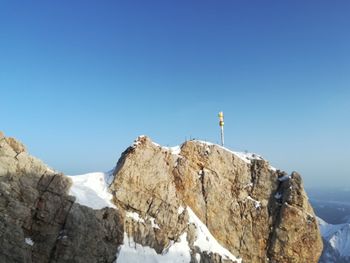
81 80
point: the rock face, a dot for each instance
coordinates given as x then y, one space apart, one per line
256 212
39 221
163 196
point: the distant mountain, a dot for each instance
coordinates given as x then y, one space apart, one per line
347 219
336 240
332 205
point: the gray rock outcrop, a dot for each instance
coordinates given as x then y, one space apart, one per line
39 221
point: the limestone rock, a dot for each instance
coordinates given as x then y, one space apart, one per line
228 196
256 212
143 185
17 146
95 236
296 232
39 221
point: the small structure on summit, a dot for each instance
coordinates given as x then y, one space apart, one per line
221 124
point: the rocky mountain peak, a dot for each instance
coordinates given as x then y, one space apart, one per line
255 211
198 202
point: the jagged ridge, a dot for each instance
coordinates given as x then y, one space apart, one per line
160 197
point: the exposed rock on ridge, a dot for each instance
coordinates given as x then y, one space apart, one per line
256 212
39 221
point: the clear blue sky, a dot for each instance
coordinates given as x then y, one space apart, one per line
80 80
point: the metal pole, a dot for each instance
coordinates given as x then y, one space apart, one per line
221 124
222 136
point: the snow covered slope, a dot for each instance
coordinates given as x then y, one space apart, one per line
91 190
156 187
205 240
337 242
177 252
131 252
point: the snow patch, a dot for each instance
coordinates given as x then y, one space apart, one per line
272 168
131 252
205 240
50 170
175 150
257 203
135 216
180 210
29 241
156 144
154 225
92 190
249 185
